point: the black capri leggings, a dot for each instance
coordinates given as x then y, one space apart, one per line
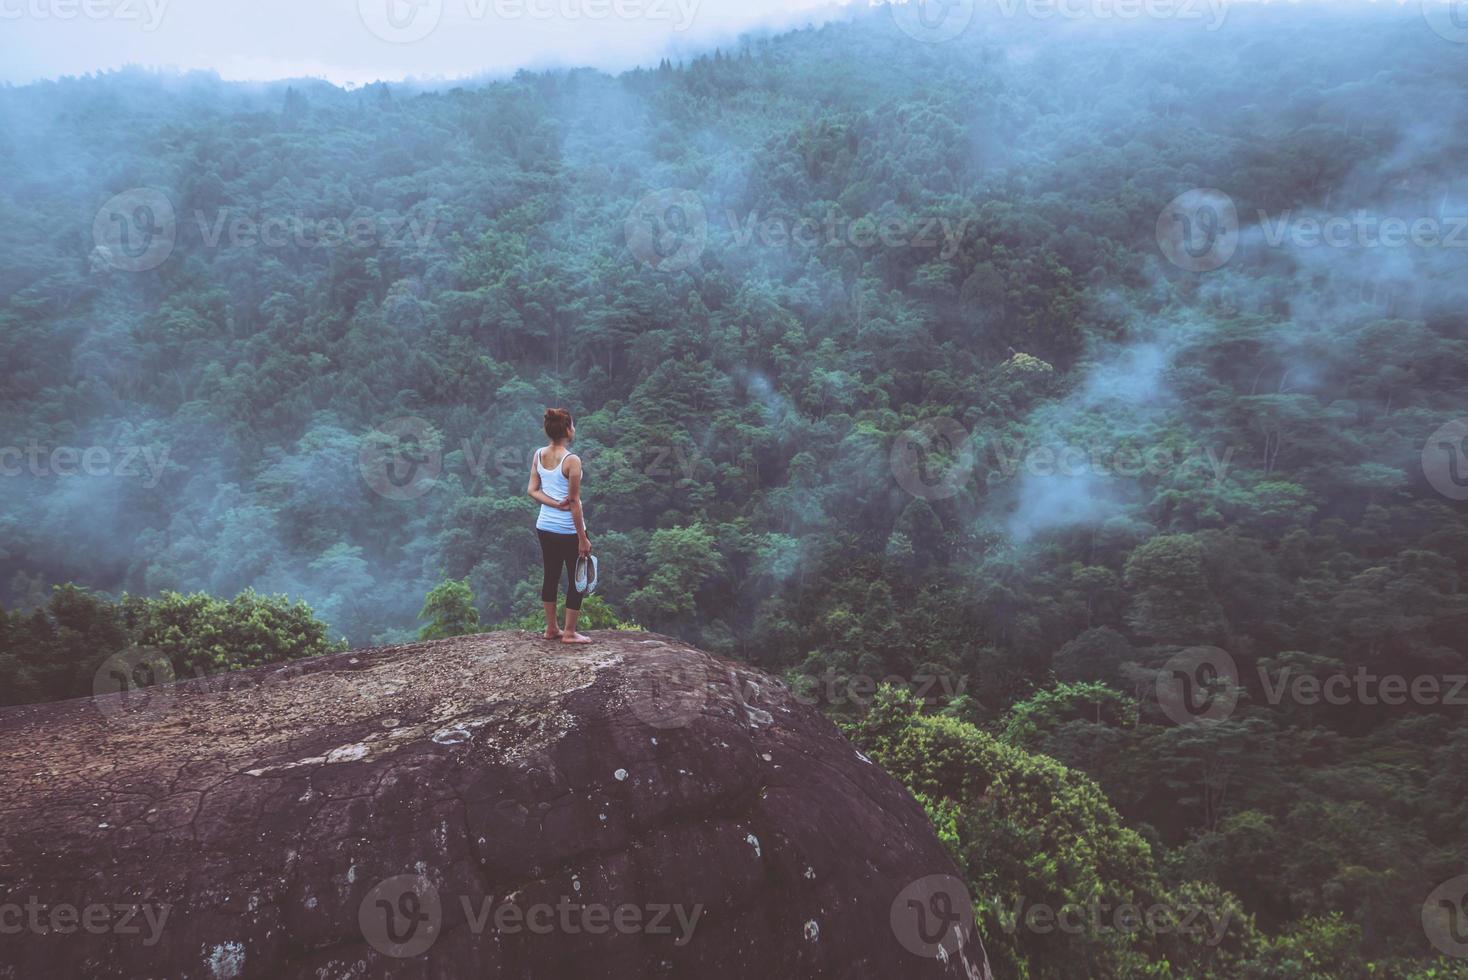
559 551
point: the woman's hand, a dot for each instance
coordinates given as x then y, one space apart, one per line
583 544
541 497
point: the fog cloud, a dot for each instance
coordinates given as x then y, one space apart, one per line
362 41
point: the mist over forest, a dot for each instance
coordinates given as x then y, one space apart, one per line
1028 360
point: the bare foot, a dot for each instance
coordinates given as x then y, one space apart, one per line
574 638
552 636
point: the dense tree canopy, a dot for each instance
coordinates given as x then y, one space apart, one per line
881 370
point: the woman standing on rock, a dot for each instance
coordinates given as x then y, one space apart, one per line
555 483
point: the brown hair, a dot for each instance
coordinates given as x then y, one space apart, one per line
557 423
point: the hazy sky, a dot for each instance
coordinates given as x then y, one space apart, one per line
362 40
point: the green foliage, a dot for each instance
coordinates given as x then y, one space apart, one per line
450 611
1172 601
203 635
680 560
1028 833
53 652
1097 654
1047 710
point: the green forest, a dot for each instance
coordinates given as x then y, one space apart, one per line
884 373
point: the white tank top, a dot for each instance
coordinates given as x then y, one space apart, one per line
557 485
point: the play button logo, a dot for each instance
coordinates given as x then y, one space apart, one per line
401 21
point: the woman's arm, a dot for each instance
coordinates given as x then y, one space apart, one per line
573 474
539 495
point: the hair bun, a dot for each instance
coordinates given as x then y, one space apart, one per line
557 423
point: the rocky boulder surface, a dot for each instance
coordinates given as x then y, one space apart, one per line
485 806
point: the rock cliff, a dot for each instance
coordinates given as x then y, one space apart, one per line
486 806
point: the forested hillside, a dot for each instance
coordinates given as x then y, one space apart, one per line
885 363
